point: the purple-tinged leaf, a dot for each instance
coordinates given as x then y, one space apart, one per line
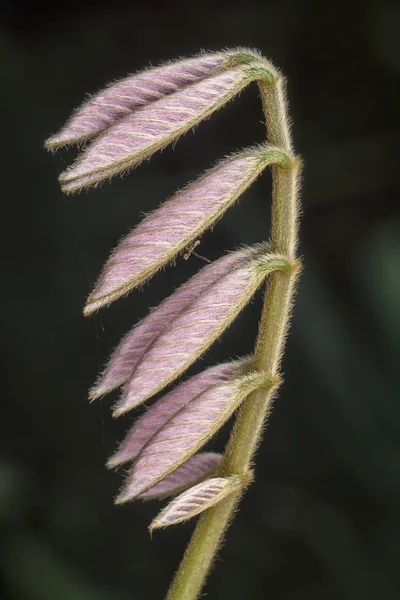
196 500
166 407
179 221
127 355
194 470
128 94
196 328
124 96
186 432
138 135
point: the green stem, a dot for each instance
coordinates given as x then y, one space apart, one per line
252 415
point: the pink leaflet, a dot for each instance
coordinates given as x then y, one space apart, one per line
196 500
122 97
150 128
185 433
133 346
193 330
169 405
177 223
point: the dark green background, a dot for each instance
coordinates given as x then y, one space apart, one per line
322 518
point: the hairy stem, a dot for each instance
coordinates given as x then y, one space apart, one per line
252 415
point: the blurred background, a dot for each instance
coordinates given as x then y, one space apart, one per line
322 519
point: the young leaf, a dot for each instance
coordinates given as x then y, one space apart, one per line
124 96
166 407
138 135
185 433
196 328
194 470
196 500
180 220
131 349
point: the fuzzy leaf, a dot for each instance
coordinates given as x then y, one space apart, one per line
179 221
196 500
194 470
131 349
124 96
196 328
138 135
166 407
184 434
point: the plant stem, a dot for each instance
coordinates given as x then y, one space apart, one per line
252 415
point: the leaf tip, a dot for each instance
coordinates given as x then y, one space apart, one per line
112 462
89 308
53 143
94 394
123 497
